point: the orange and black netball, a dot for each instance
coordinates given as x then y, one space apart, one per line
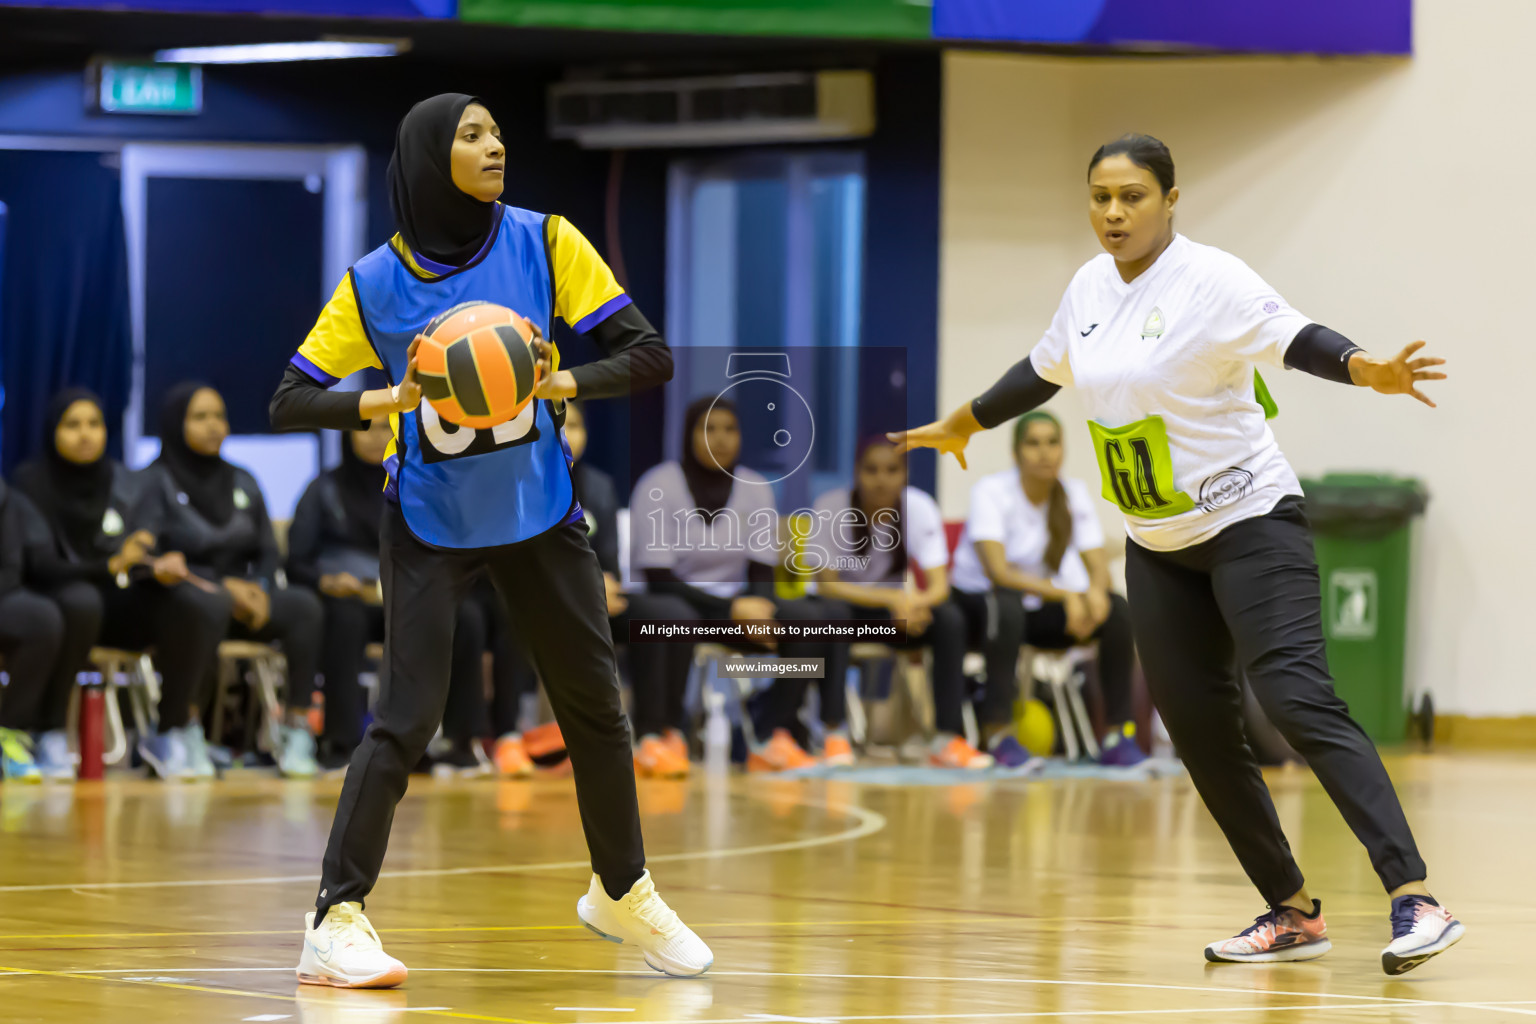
477 365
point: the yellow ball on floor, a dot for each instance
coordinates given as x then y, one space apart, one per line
1034 727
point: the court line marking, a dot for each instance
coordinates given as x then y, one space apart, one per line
1061 982
869 822
915 922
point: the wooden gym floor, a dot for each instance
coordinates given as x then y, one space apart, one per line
1067 900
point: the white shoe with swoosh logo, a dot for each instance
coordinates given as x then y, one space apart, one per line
644 919
345 952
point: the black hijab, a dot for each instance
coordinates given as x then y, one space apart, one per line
362 496
436 218
207 480
72 497
710 487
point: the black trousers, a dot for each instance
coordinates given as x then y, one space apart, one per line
184 626
945 637
512 673
350 626
31 633
1251 596
780 706
554 593
296 624
658 672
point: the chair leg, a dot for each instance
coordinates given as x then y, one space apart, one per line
857 727
151 689
118 748
1064 723
269 683
1080 713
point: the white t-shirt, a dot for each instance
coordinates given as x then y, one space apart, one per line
1001 512
667 531
923 531
1180 342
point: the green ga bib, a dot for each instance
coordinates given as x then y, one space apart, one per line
1137 468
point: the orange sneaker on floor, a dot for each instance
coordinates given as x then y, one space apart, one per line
654 759
512 761
779 754
959 754
677 743
836 751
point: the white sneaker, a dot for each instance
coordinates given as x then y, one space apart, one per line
54 759
643 918
199 763
345 952
1421 928
297 758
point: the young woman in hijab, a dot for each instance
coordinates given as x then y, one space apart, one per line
214 514
31 631
461 502
333 548
872 534
698 528
99 569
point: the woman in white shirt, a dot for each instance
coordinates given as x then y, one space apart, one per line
1161 336
1030 569
706 529
866 540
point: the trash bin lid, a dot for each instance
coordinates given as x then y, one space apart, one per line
1364 505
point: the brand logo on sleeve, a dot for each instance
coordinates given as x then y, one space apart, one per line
1271 307
1088 331
1153 328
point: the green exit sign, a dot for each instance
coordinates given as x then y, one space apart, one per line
140 87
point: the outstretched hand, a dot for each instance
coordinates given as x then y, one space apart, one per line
950 434
1399 375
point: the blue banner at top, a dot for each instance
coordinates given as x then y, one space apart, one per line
1261 26
328 8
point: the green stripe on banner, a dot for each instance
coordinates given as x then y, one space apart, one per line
864 19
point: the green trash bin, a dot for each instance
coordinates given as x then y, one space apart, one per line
1361 524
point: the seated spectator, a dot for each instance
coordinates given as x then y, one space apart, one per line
870 536
1030 568
31 632
213 513
94 561
705 529
333 548
658 672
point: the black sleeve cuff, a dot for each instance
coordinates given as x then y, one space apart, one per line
1322 353
1016 393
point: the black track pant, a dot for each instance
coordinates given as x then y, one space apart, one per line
658 673
780 706
1250 596
183 624
31 632
554 592
945 636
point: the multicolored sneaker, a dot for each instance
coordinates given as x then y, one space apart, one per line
1119 749
16 761
1282 934
1421 928
956 753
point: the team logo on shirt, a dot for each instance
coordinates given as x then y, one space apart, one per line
1224 488
112 523
1153 328
242 500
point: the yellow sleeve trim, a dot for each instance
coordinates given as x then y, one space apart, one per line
337 345
586 292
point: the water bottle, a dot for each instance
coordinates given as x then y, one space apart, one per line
717 734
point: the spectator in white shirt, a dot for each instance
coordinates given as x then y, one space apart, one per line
867 540
1030 568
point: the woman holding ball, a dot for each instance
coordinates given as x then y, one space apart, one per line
462 501
1161 335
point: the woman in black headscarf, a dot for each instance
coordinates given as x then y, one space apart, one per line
333 547
214 514
463 502
718 556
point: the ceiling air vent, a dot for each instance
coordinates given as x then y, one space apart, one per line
726 110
